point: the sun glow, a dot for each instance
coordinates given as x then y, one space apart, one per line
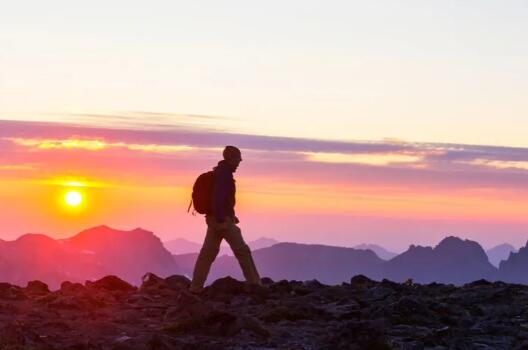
73 198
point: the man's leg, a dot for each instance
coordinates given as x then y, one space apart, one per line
208 253
233 236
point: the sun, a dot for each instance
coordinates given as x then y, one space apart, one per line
73 198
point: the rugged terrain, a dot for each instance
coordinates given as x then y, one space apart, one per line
111 314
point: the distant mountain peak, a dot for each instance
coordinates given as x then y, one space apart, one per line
414 247
504 245
499 253
379 250
265 239
452 240
92 252
453 260
139 229
34 237
107 230
99 227
455 248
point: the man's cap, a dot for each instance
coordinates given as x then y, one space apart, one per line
232 153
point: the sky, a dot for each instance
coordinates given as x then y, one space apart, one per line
381 122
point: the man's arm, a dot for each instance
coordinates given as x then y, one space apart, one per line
220 192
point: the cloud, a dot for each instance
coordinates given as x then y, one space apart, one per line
450 152
176 153
17 167
176 135
49 144
192 137
141 120
521 165
386 153
379 159
95 145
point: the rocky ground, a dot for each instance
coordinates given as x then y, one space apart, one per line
161 314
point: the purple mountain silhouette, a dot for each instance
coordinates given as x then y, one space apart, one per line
91 254
499 253
102 251
453 260
515 268
293 261
380 251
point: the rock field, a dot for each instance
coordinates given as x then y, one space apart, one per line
110 314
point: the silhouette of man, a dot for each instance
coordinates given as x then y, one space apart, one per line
221 224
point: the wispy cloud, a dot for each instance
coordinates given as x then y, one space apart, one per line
191 136
179 134
500 164
16 167
49 144
173 153
377 159
147 120
96 145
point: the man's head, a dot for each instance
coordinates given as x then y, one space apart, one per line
232 156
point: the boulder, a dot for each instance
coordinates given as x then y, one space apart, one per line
225 286
111 283
36 288
68 287
177 282
11 292
266 281
361 282
152 281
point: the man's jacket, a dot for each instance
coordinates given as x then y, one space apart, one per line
224 190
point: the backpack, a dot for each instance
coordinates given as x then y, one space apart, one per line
202 193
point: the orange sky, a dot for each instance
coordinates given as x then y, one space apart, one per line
390 193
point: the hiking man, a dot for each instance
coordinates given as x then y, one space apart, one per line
221 224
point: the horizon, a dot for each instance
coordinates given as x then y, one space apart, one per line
225 244
358 122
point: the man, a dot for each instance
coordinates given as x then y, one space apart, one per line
221 224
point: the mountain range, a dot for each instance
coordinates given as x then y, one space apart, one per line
453 260
180 246
293 261
91 254
102 251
